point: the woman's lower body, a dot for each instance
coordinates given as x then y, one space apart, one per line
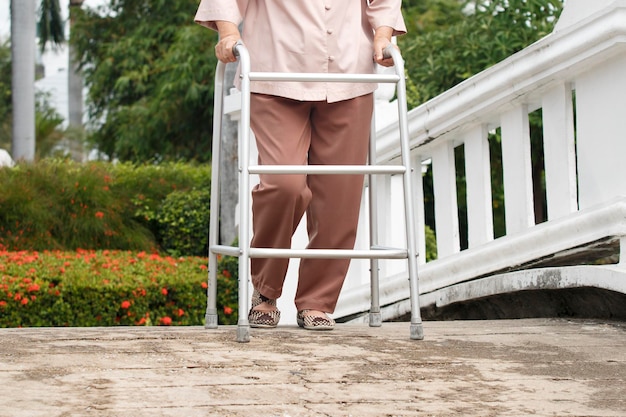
291 132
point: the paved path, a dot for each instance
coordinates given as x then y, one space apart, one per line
463 368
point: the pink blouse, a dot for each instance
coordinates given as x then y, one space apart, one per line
319 36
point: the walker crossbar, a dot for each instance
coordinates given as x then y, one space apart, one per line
244 252
324 77
326 169
375 252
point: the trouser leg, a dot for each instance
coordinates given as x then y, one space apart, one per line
339 136
282 130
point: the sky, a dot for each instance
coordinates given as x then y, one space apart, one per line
55 63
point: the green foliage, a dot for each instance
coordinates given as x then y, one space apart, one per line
60 204
423 16
50 24
150 78
142 188
56 204
228 288
106 288
431 244
442 56
47 127
183 221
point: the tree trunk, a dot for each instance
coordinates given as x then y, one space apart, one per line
23 46
75 92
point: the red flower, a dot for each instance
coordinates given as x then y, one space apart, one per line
181 312
164 291
165 321
228 311
3 303
203 267
99 214
226 273
204 285
141 321
24 301
33 288
125 304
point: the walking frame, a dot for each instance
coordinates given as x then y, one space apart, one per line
245 252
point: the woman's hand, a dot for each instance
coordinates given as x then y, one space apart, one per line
382 38
229 36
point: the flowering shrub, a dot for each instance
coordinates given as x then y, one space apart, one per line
59 204
107 288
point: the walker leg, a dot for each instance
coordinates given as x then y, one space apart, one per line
375 316
210 319
417 331
243 333
376 319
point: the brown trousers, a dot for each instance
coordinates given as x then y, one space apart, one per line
291 132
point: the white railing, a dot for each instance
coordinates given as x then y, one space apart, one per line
577 77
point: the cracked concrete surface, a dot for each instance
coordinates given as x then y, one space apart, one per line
540 367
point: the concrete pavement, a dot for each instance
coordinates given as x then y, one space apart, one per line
539 367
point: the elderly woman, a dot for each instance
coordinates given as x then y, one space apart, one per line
298 123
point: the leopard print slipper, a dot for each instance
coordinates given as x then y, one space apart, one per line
263 319
311 322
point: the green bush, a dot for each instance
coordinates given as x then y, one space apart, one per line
108 288
60 204
228 289
431 244
183 223
142 188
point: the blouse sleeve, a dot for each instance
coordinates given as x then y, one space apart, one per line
386 13
210 11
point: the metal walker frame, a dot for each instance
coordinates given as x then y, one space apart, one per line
244 252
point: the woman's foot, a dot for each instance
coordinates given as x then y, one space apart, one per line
263 313
315 320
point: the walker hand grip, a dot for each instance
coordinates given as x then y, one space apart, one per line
236 47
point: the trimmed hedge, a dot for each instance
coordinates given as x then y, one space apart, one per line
183 223
108 288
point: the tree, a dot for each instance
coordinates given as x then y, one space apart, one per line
47 131
6 105
50 28
48 121
442 56
23 29
149 69
74 90
23 78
